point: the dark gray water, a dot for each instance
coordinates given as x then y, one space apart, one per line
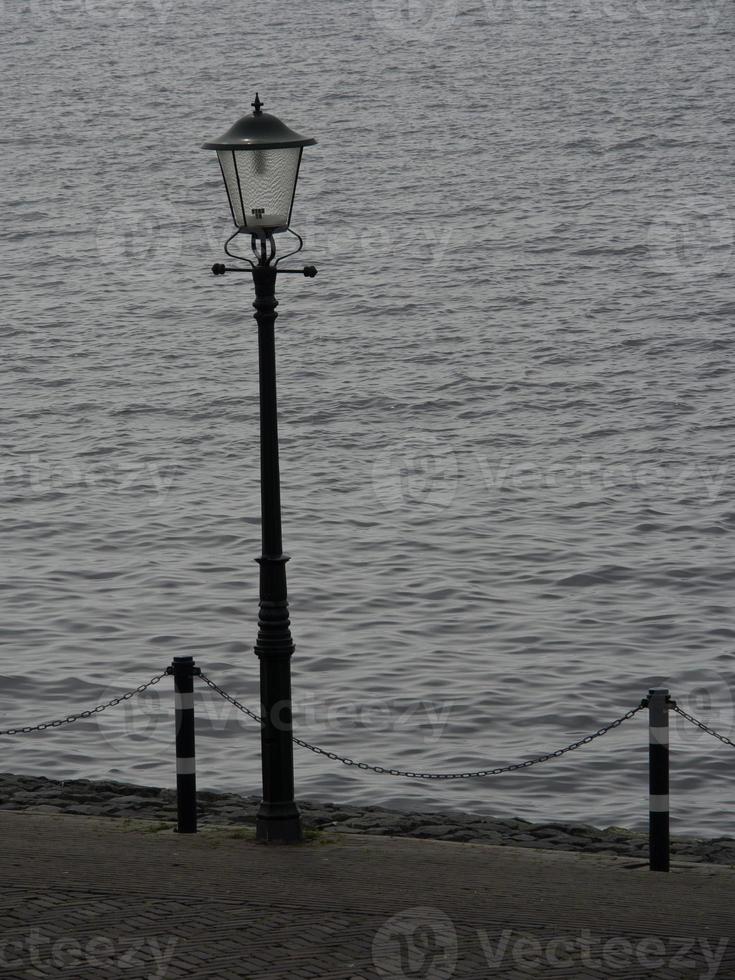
506 401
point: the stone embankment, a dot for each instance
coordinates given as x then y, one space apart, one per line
105 798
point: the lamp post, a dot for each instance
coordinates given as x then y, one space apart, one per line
260 158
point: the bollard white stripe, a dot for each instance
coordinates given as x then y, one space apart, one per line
658 804
183 701
659 735
185 767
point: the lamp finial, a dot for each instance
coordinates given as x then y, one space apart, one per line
257 105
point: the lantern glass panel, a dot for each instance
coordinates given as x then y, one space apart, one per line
261 185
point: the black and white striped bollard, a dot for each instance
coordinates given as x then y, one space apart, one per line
184 670
658 779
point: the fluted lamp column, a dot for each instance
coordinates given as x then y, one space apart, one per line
260 158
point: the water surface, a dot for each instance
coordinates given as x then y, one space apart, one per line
506 401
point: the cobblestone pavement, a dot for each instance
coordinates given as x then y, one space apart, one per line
93 899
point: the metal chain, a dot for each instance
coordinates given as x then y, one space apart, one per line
701 724
84 714
233 701
434 775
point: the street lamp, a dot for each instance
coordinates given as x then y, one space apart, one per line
260 158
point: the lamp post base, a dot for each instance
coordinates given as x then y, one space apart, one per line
278 823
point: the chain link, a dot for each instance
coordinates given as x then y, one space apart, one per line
84 714
701 724
383 770
233 701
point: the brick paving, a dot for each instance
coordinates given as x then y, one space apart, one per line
91 899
